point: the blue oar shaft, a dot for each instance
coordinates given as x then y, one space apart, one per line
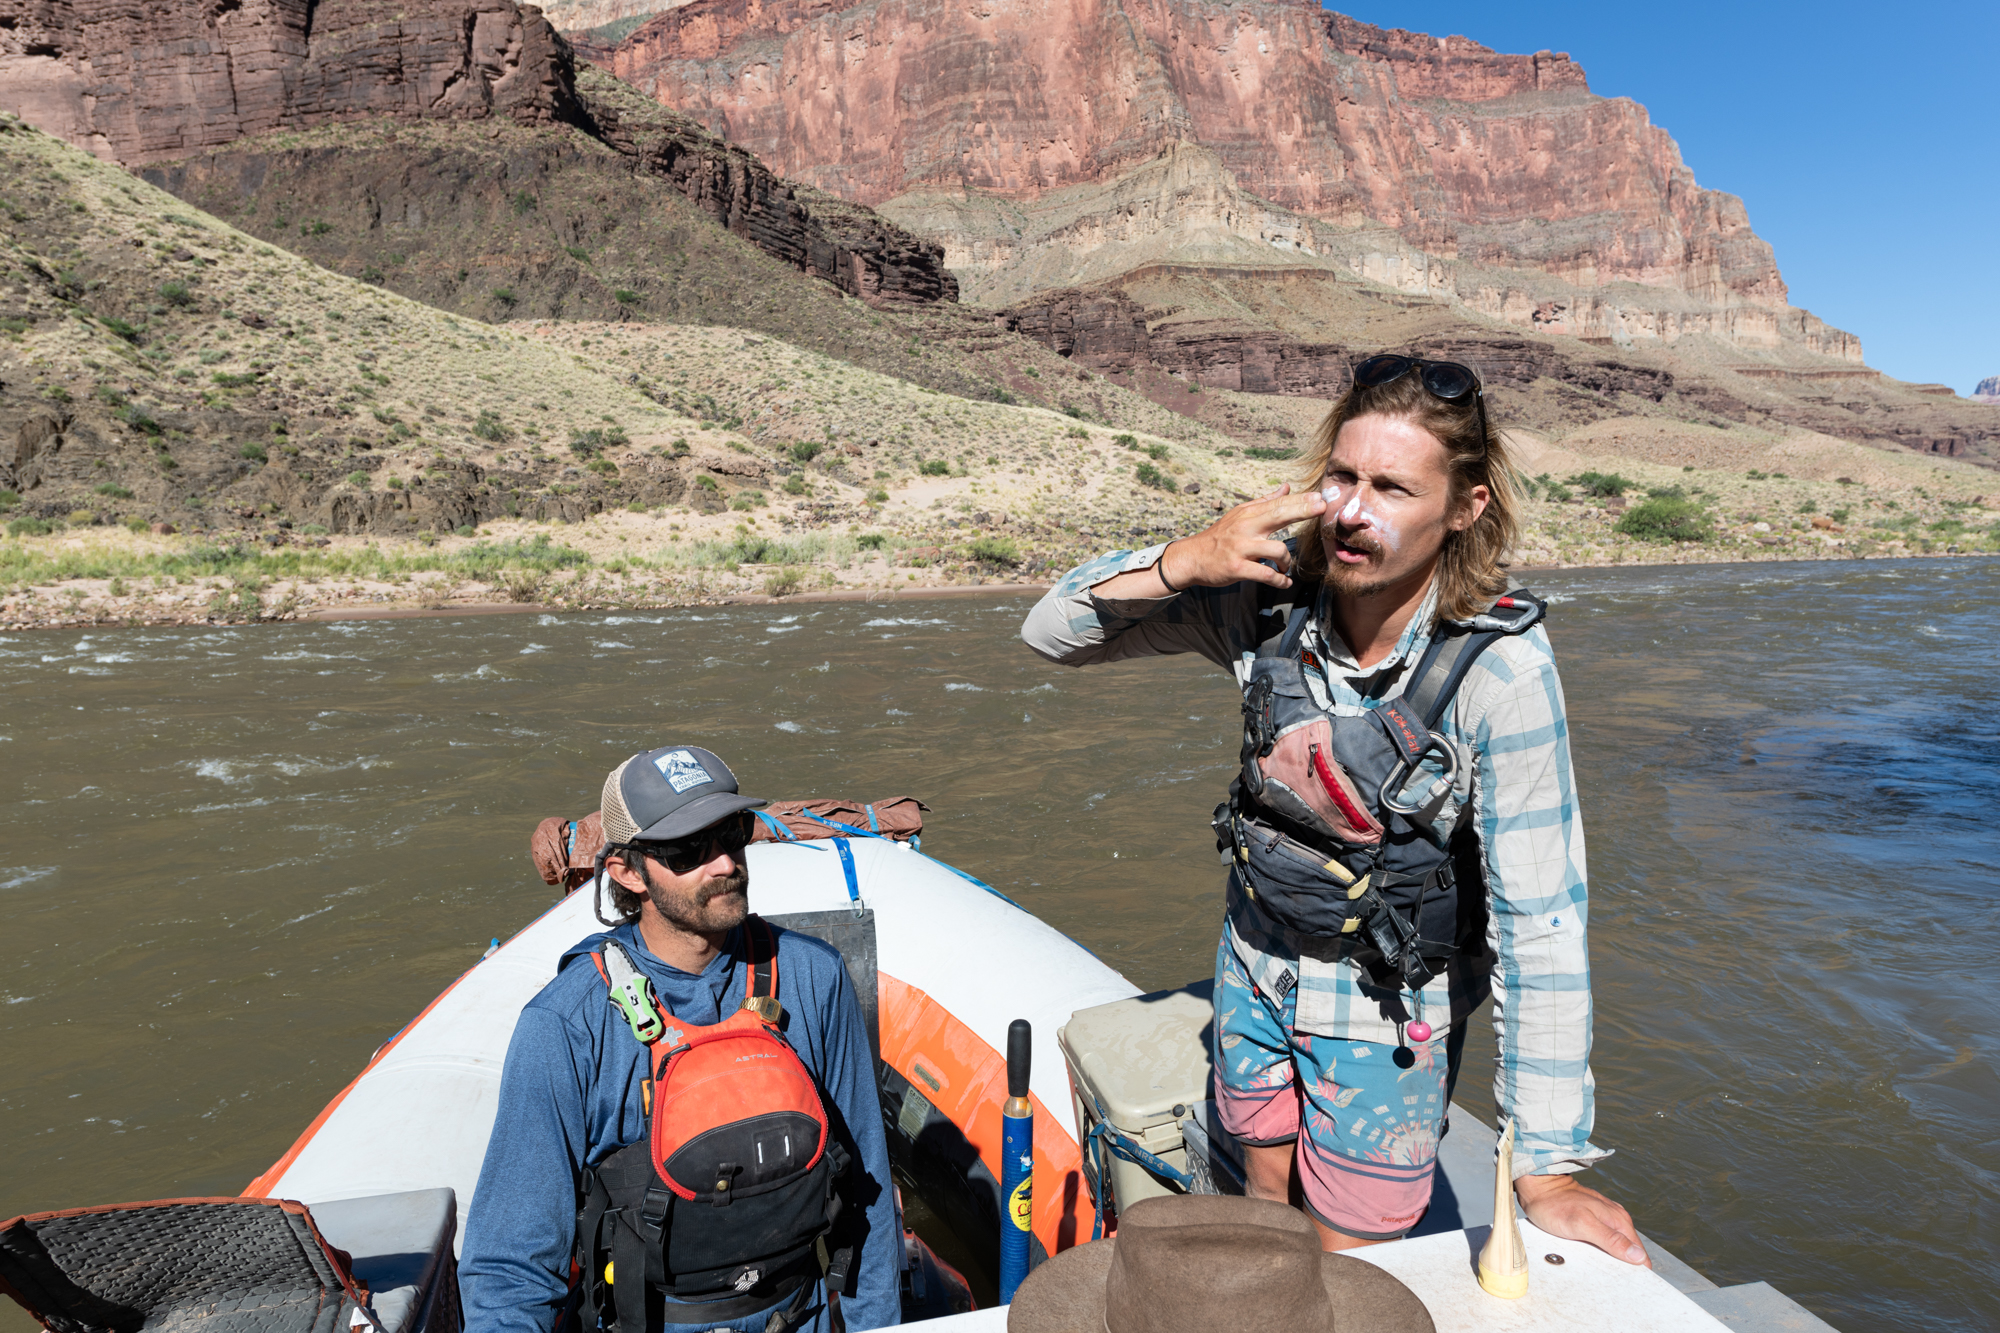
1017 1175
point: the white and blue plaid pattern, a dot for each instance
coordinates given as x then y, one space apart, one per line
1508 719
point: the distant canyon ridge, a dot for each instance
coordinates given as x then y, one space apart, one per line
1433 165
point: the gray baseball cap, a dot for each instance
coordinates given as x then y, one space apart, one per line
669 793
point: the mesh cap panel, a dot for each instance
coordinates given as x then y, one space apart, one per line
618 823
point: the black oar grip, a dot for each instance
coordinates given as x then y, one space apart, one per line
1020 1040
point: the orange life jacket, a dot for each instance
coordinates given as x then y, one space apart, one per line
724 1200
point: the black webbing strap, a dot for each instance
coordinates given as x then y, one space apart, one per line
1452 652
760 942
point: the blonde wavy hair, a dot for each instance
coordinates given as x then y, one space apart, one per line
1469 573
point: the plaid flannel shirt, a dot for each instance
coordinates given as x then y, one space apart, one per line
1509 727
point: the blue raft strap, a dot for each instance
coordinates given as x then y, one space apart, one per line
847 869
874 825
848 829
777 827
1102 1139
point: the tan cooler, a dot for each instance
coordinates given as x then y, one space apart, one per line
1143 1065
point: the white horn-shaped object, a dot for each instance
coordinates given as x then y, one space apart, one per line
1503 1263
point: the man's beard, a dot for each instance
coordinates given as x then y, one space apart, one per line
698 911
1354 580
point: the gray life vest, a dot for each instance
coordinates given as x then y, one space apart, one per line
1318 824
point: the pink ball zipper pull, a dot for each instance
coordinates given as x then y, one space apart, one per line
1419 1031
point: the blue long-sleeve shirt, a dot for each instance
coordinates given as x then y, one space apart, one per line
570 1096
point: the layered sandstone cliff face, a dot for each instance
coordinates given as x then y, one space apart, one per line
144 83
1469 155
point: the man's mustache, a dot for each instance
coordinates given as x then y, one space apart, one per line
736 881
1356 539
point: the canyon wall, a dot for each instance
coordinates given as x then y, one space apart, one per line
1469 154
140 83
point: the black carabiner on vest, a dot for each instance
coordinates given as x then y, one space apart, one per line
1405 767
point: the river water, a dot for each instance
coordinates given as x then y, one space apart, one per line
233 861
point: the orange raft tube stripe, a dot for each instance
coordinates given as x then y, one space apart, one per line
966 1079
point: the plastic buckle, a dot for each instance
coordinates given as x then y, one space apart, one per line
633 998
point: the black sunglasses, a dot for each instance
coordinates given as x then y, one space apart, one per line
1446 380
682 855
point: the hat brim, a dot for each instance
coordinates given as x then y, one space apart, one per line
1066 1295
698 814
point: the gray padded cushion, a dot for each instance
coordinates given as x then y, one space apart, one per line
230 1266
401 1244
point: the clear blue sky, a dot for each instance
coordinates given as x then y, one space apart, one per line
1865 141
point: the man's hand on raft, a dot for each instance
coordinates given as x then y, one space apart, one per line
1562 1207
1230 550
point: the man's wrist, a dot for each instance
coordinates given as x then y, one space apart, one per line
1534 1187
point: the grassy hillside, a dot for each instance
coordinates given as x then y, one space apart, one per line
316 440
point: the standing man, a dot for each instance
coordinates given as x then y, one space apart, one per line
1404 837
760 1201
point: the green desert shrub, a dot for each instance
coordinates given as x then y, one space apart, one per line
358 480
254 452
490 427
1603 485
1124 441
1269 455
30 527
934 467
112 489
994 551
594 441
9 498
1149 475
176 293
807 450
1668 520
748 500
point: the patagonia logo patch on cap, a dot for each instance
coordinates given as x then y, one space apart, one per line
681 770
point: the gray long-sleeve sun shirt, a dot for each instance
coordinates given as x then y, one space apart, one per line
570 1096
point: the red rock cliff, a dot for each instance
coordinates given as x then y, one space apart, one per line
147 82
1492 158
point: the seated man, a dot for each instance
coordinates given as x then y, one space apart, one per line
607 1184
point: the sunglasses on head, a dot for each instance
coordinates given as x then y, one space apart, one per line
1445 380
682 855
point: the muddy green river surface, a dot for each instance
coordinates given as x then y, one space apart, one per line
234 861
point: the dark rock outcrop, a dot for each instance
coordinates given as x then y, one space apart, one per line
1105 329
155 85
146 82
854 248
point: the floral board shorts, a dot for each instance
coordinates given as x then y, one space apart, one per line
1367 1132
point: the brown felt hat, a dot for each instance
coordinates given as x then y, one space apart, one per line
1210 1263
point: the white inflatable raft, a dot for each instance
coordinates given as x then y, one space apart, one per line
952 963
